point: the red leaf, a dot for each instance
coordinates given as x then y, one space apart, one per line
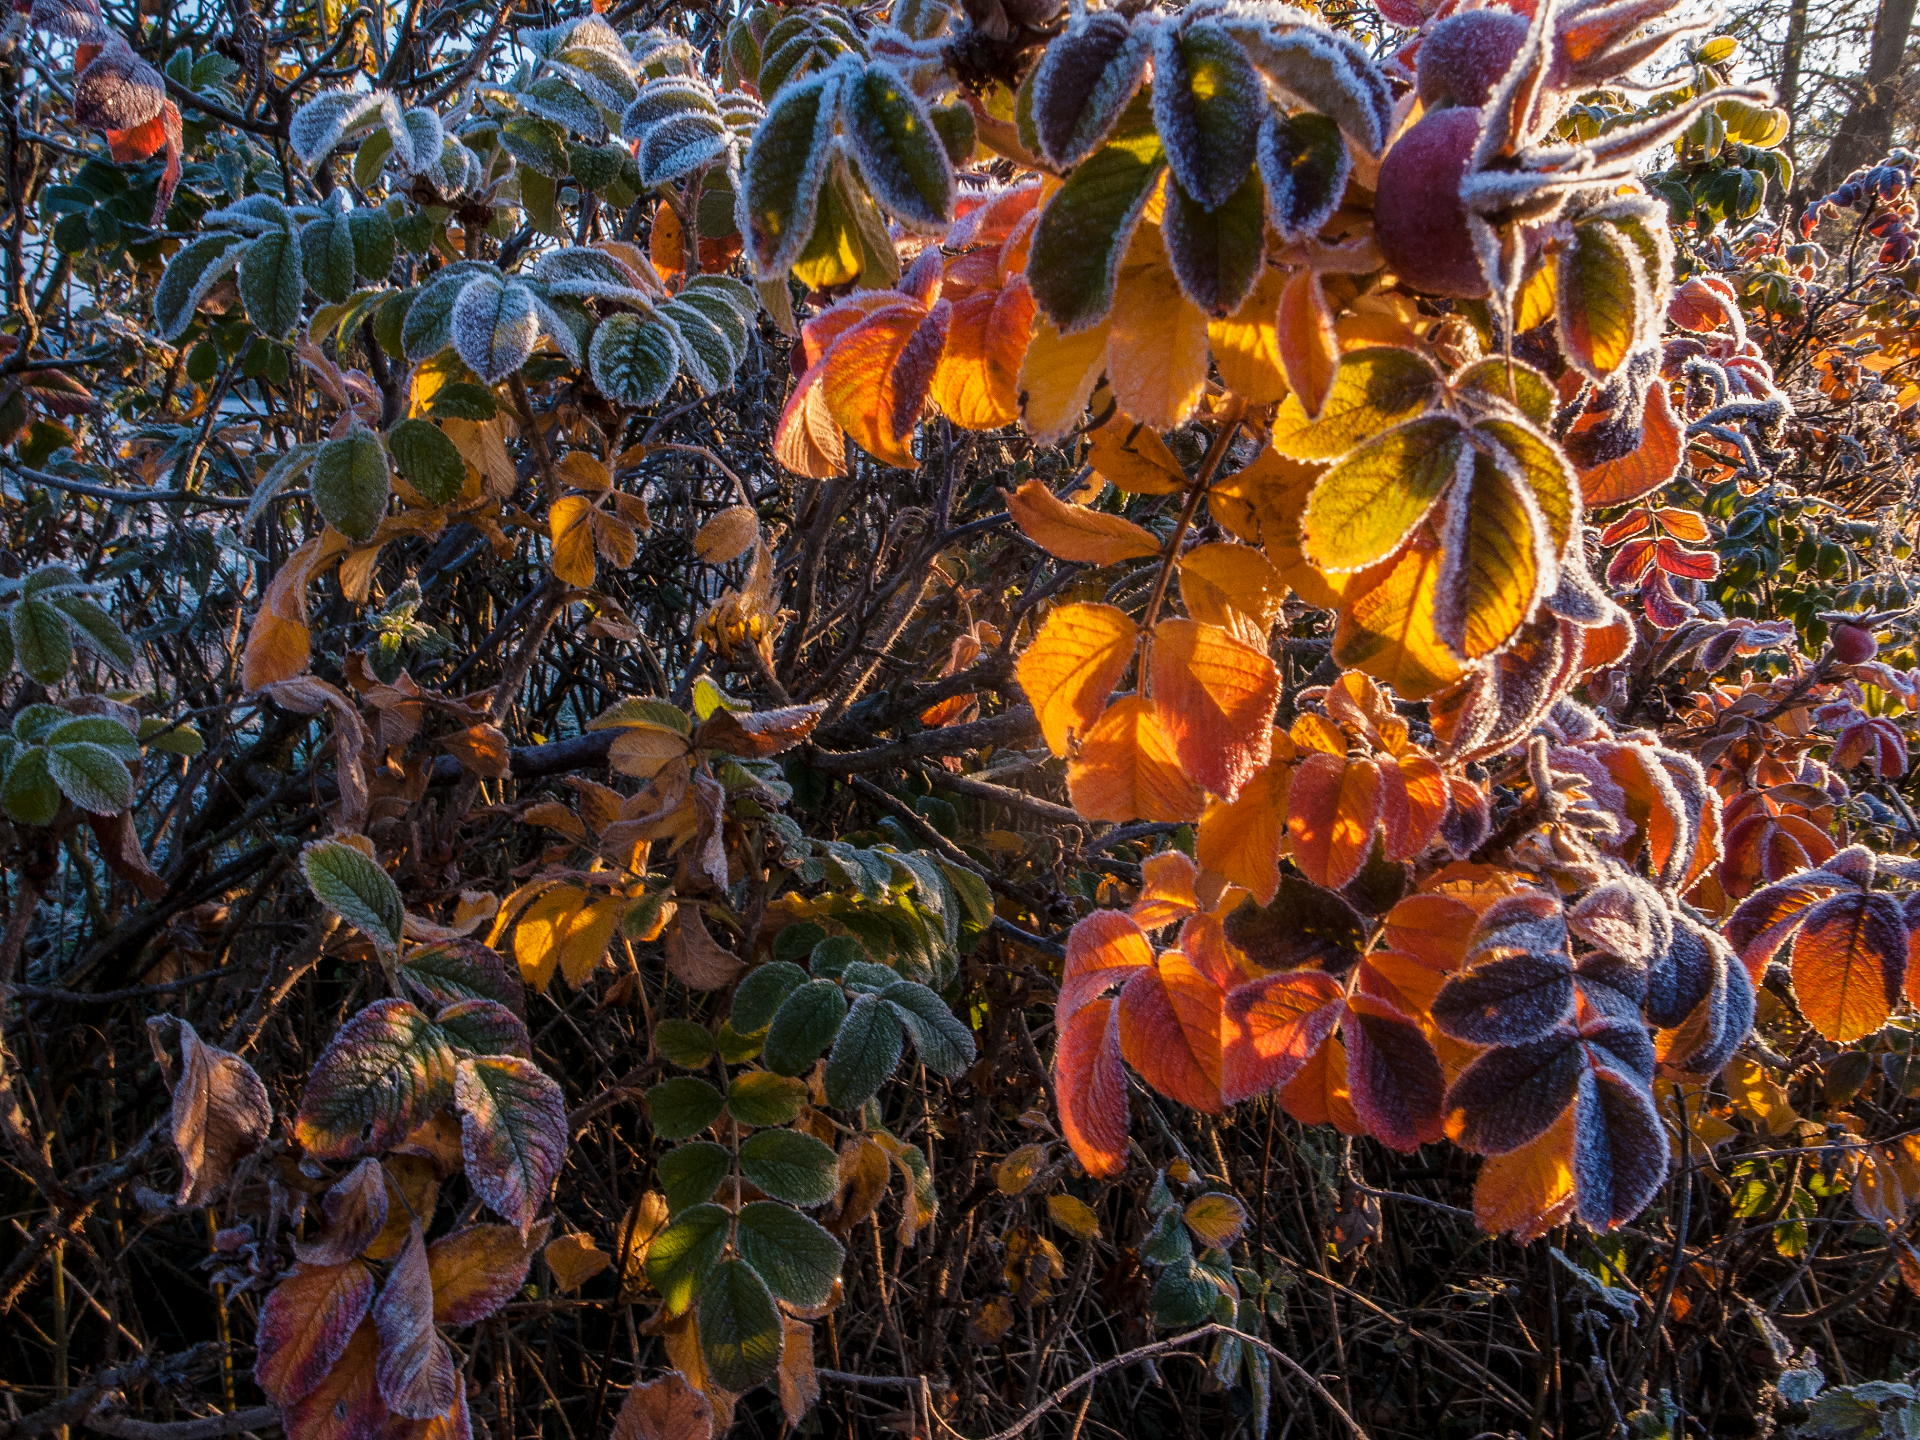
1279 1023
346 1405
1092 1086
513 1133
1170 1020
356 1213
1332 812
1106 948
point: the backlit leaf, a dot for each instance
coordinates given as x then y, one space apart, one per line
1072 666
513 1133
1364 508
1376 388
1333 809
385 1071
1170 1021
1849 962
1280 1022
1157 342
1601 299
1088 224
1126 769
1092 1085
1216 698
1073 532
899 153
1498 556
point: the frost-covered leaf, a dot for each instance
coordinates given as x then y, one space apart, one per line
272 283
780 192
791 1166
193 271
305 1324
943 1042
494 326
415 1371
1208 102
220 1114
384 1073
350 483
513 1133
42 640
798 1260
1083 82
900 154
1305 163
634 361
352 885
327 255
324 122
1084 232
91 776
678 146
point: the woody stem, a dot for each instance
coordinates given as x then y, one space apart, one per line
1202 482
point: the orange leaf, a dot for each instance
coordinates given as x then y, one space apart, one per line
1104 949
477 1270
1280 1022
1134 457
1240 839
1246 345
1526 1192
978 383
1428 800
1157 349
1092 1088
1386 626
1309 349
1848 963
1170 1031
1432 928
878 375
1072 666
1216 698
1317 1095
1125 769
808 440
1166 890
1234 587
279 644
571 524
1073 532
1332 811
1641 471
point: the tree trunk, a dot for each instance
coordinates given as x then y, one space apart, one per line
1867 132
1790 56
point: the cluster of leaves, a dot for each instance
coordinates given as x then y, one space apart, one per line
1454 720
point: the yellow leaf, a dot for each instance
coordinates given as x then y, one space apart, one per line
646 1219
1363 509
1072 666
1309 350
1757 1096
1125 769
799 1385
1157 352
536 939
571 524
1057 376
1526 1192
1241 840
1073 532
1134 458
1074 1215
1234 587
1246 345
728 535
584 944
574 1260
584 472
1494 568
1386 627
1375 389
1216 1220
1015 1173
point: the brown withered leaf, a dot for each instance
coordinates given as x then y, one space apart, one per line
415 1370
760 734
695 957
864 1171
119 845
799 1386
412 1186
646 1219
481 749
356 1214
664 1409
574 1260
991 1321
220 1112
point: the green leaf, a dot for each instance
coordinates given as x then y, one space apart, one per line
785 169
791 1166
681 1255
370 158
763 991
804 1026
683 1106
272 283
1375 389
686 1043
865 1052
761 1099
384 1073
1363 509
350 483
900 154
796 1257
374 245
689 1174
193 271
42 642
29 793
1183 1296
740 1330
462 400
427 460
35 722
633 360
1217 254
1208 102
352 885
1086 228
95 630
538 144
92 776
110 735
944 1043
171 738
326 255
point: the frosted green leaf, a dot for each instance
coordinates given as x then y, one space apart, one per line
352 885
